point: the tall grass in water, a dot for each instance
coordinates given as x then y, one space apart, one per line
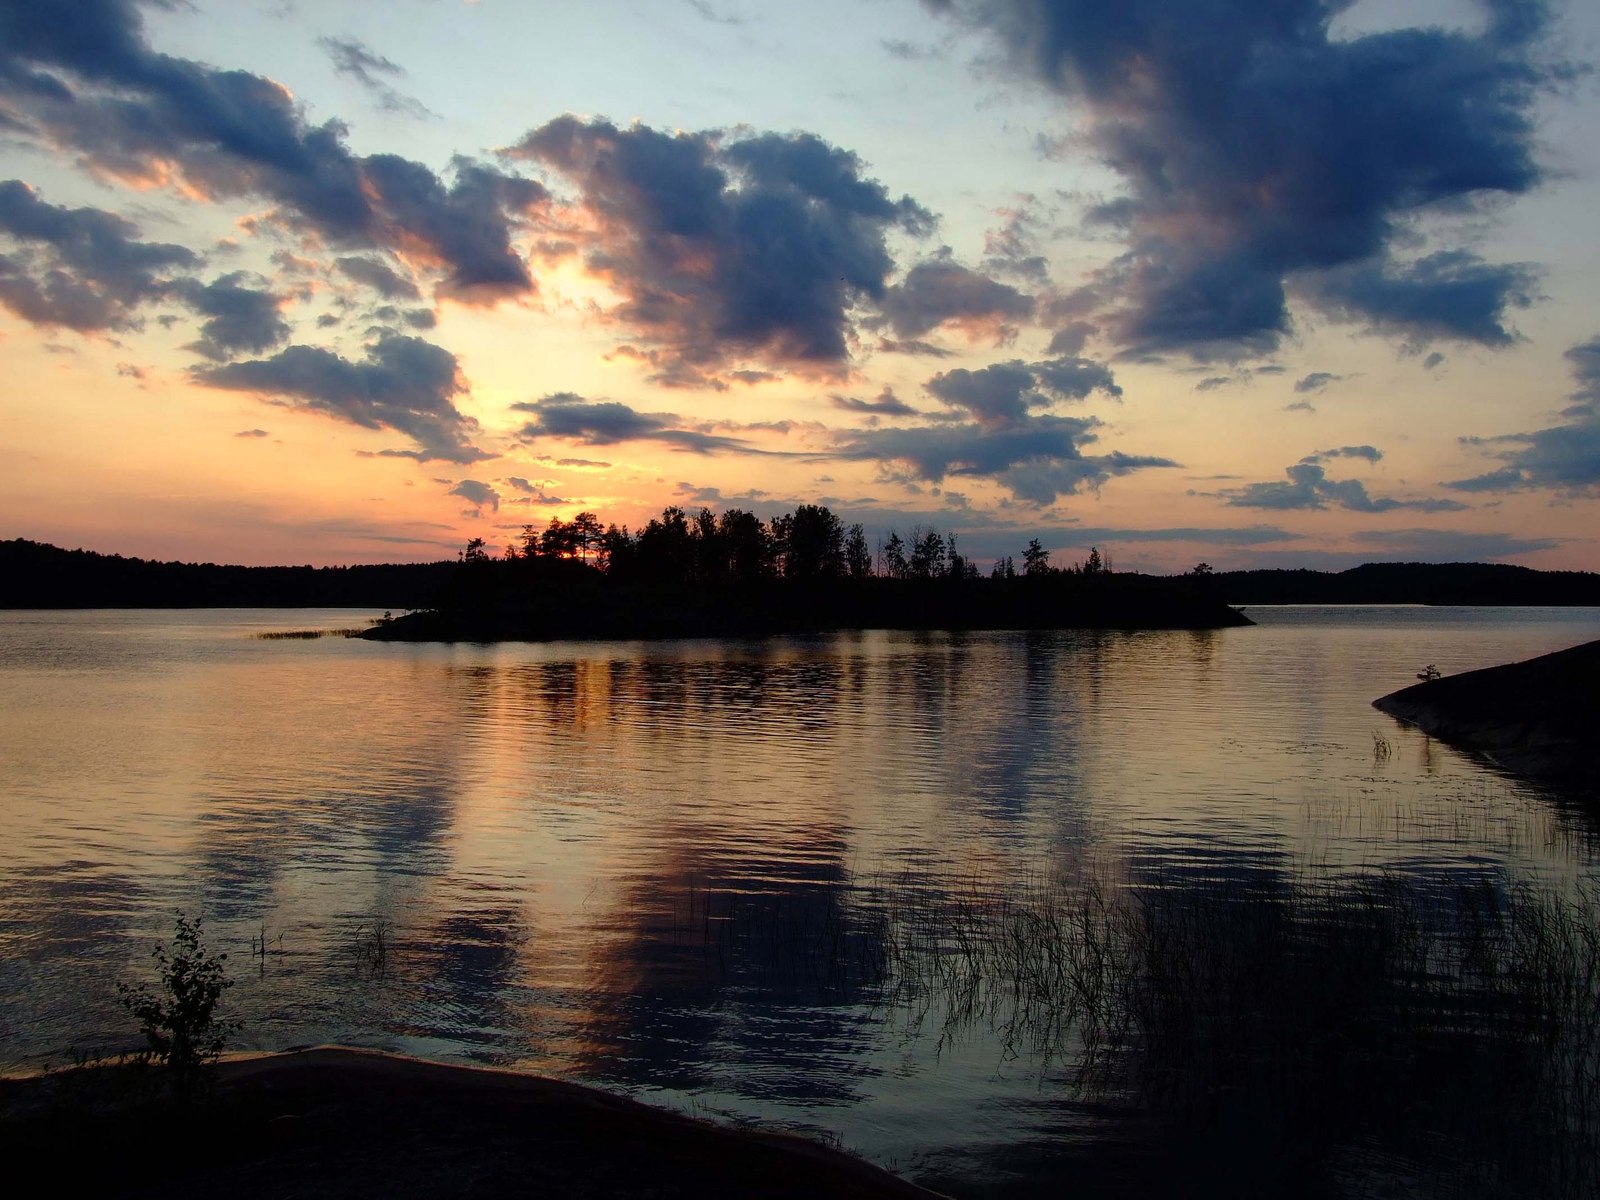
1364 1036
306 635
1277 1040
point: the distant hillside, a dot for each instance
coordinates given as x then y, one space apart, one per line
1410 583
36 575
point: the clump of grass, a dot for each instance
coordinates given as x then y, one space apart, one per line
370 947
306 635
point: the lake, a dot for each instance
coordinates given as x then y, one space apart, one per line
660 868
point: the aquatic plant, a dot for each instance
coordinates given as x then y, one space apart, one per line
370 947
1264 1034
1453 1026
309 635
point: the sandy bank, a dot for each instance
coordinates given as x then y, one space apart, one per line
1540 717
332 1121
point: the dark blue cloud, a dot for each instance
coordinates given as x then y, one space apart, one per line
238 319
1004 393
380 277
478 494
993 430
1451 294
942 292
608 422
1315 381
79 268
1259 147
79 75
886 405
1561 458
1371 453
405 384
1037 458
1308 487
1071 338
727 248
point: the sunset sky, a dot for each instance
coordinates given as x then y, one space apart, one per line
1259 282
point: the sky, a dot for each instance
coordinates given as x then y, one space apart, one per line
1261 283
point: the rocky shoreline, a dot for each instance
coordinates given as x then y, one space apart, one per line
1538 718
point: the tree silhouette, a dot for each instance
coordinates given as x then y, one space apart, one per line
1035 559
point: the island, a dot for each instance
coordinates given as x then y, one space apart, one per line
1537 718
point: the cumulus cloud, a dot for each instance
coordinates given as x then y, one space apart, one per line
79 268
1261 149
993 429
1071 338
405 384
725 248
1003 393
609 422
478 494
1451 294
81 77
378 276
1562 458
238 319
1308 487
1012 248
1037 459
941 292
533 493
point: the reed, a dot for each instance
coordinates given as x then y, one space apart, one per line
1452 1025
306 635
1272 1037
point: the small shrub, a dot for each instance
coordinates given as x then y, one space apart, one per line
1429 673
180 1021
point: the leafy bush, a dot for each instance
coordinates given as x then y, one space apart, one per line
180 1020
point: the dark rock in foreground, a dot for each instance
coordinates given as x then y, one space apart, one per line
1540 717
338 1122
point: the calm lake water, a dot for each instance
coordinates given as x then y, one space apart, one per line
606 861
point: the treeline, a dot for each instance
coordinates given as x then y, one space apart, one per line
733 574
38 575
738 547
